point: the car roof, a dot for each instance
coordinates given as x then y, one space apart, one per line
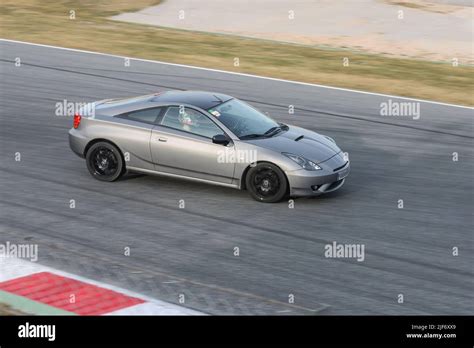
203 100
200 99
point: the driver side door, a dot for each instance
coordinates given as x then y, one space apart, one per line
182 144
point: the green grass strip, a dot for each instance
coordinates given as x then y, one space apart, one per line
28 306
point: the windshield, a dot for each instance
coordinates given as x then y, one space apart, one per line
242 119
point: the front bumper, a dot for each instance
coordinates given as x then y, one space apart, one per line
314 183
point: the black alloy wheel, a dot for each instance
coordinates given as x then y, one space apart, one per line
104 162
266 183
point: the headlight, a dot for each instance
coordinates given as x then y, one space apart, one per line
303 162
329 138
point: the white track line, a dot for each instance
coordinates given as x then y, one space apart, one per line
239 74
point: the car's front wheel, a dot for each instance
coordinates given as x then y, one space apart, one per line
266 183
104 161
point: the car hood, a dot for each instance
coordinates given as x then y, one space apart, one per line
311 145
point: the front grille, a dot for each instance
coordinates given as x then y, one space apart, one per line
334 184
339 168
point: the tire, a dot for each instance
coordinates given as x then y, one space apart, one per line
105 162
266 183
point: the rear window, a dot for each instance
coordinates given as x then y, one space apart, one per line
147 115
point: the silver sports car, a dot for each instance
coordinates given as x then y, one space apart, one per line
206 137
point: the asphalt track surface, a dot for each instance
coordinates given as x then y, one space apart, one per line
190 251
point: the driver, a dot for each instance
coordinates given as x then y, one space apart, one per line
186 120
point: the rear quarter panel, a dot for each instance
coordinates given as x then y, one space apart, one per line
132 138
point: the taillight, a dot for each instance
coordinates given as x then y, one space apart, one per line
77 120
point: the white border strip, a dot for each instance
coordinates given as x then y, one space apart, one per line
12 268
239 74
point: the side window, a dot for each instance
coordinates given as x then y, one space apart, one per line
190 120
147 115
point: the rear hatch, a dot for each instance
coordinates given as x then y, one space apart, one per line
111 107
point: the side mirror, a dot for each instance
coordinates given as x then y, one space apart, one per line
220 139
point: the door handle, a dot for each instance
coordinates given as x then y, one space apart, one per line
162 139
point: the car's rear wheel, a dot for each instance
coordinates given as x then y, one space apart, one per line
266 183
105 162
